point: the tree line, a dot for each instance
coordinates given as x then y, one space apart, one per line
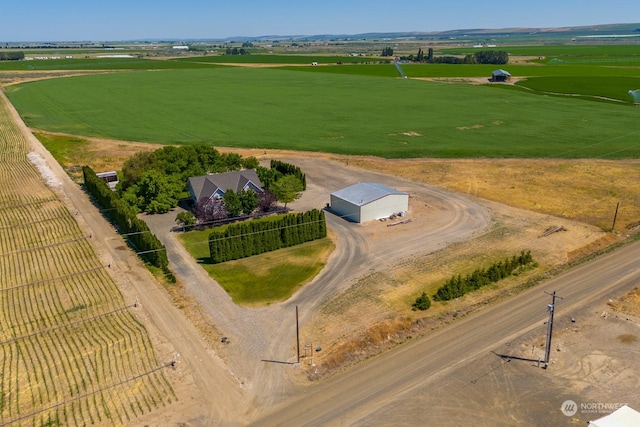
283 182
236 51
257 236
457 286
497 57
387 51
277 170
150 249
154 182
11 56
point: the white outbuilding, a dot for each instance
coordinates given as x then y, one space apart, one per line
366 201
624 416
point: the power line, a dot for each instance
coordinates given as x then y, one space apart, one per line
239 235
68 325
38 282
551 308
36 248
556 156
75 399
38 202
25 224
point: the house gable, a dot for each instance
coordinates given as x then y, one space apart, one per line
209 186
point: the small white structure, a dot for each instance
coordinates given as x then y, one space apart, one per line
110 177
368 201
624 416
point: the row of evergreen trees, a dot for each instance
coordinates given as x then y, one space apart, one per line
495 57
277 170
123 216
257 236
289 169
457 286
387 51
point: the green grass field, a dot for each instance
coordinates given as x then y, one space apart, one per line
584 86
99 64
555 50
262 279
346 114
280 59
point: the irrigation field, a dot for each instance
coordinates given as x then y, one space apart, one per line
345 114
71 349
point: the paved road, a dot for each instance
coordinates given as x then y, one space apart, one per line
357 396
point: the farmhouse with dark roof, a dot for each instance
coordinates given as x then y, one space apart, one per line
214 186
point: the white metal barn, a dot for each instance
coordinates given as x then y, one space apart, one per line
367 201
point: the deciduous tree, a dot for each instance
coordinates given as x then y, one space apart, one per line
287 189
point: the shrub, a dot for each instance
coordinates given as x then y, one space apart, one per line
422 303
457 286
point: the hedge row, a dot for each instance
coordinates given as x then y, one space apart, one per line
124 218
289 169
457 286
257 236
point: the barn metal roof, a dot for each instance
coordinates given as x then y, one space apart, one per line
364 193
501 72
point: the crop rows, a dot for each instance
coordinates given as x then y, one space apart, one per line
71 351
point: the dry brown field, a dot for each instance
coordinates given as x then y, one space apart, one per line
72 351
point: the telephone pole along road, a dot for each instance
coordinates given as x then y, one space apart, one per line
377 387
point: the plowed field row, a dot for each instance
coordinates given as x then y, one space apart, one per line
71 350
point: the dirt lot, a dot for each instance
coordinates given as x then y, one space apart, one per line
593 363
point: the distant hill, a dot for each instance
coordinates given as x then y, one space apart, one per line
590 30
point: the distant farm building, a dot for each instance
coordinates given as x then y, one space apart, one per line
500 76
210 186
110 177
368 201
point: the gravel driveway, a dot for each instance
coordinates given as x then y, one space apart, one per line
259 334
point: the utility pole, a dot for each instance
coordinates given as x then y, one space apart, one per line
297 335
615 216
551 308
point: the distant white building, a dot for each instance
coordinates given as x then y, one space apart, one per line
181 47
367 201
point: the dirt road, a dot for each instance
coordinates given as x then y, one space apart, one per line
207 392
432 380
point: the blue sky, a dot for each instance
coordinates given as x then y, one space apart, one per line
71 20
